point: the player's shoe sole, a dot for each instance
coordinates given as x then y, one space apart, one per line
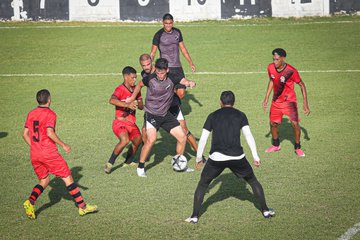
88 209
29 209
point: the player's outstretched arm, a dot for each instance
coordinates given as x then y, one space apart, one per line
116 102
304 94
26 136
188 83
136 91
267 95
251 142
140 104
52 135
186 54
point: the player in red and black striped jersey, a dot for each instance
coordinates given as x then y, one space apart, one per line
124 124
39 134
282 78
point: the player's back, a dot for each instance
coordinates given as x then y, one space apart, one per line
38 120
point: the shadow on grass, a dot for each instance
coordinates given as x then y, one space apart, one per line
59 191
230 186
3 134
286 132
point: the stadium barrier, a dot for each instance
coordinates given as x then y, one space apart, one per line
183 10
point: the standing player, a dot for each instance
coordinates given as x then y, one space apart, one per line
169 41
124 125
148 68
227 152
39 134
282 78
160 91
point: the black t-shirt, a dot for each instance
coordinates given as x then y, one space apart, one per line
225 125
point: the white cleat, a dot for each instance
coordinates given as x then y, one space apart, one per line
269 213
141 172
193 220
189 170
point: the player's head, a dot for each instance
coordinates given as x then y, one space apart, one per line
146 63
129 75
43 97
227 98
168 21
161 68
279 56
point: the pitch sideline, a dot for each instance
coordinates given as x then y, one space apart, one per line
197 73
350 232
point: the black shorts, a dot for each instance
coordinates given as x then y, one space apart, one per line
177 71
167 122
241 168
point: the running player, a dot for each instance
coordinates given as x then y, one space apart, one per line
39 134
282 78
148 68
124 125
159 96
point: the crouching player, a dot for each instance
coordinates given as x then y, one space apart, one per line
39 134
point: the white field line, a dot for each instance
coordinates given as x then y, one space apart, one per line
197 73
350 232
152 25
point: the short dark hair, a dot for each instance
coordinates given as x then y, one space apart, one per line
42 96
168 16
161 63
128 70
227 98
144 57
279 51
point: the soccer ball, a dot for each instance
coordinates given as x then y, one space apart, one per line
179 163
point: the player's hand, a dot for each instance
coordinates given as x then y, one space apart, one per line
128 100
199 163
133 105
264 104
192 84
257 163
193 68
66 148
306 109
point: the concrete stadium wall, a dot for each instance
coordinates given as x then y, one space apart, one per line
183 10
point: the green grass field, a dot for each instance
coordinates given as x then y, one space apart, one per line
316 197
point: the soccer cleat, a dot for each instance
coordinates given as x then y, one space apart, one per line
273 149
193 220
132 164
88 209
300 152
141 172
29 209
108 167
269 213
188 169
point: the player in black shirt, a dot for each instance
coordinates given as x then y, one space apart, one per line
226 152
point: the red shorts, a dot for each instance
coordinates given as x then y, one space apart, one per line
120 126
55 165
289 109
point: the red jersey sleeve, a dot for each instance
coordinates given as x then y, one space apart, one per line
117 93
51 120
27 122
296 77
269 71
